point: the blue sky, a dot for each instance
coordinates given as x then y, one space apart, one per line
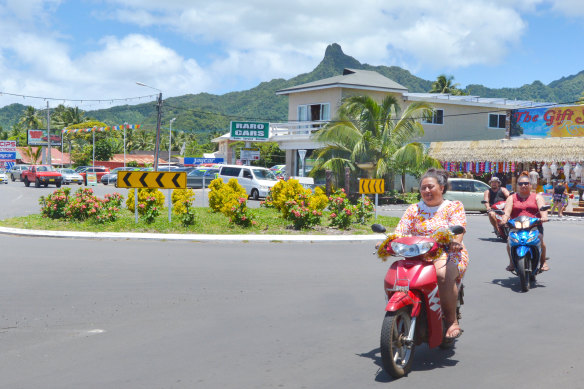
98 49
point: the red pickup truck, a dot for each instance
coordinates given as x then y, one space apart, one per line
41 175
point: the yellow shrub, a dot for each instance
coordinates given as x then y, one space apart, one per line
179 198
144 193
223 197
285 191
318 200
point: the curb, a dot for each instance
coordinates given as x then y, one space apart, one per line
189 237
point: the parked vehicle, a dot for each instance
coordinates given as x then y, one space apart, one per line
70 176
99 171
80 169
3 177
16 172
42 175
469 192
279 171
256 180
112 176
525 248
413 311
196 176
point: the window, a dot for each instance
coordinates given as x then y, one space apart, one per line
437 117
497 121
230 171
247 174
461 186
314 112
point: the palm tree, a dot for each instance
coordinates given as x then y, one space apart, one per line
33 155
30 118
376 138
444 84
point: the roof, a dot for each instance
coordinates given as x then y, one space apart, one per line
351 78
510 150
57 158
499 102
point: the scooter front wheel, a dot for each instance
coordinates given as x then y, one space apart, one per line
397 354
523 275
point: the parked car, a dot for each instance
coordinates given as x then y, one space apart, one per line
279 171
80 169
469 192
256 180
42 175
70 176
195 177
3 177
99 171
112 176
16 171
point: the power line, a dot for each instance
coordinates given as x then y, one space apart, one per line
76 100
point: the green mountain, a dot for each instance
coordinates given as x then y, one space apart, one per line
206 113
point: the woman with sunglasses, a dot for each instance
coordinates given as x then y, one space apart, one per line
523 202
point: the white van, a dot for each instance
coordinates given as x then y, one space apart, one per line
256 180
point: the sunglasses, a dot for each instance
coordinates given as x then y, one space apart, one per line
523 183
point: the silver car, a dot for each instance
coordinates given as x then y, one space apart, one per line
16 170
70 176
469 192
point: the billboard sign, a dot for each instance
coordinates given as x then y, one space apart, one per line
8 145
250 131
190 161
40 138
250 154
558 121
7 154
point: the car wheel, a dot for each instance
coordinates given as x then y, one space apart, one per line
255 194
12 177
58 184
37 183
80 183
26 182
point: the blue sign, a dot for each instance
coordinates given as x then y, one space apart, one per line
7 155
198 161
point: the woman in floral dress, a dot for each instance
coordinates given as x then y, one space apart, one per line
424 219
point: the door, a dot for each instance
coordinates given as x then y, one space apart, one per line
246 180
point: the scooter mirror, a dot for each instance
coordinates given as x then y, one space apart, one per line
378 228
545 208
457 230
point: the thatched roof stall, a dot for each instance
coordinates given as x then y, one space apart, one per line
510 150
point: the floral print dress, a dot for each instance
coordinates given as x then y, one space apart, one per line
422 220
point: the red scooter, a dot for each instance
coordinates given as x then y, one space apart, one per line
413 312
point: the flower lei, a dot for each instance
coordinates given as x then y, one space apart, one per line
442 236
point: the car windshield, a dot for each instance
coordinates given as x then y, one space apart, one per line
68 171
264 174
45 169
197 173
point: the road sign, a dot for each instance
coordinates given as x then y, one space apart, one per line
189 161
162 180
250 154
250 131
371 186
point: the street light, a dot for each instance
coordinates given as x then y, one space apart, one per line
159 106
170 141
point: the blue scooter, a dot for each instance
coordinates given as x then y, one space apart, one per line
525 248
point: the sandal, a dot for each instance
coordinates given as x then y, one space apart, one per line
457 332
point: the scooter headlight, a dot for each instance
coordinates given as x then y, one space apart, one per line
522 224
413 250
514 238
532 236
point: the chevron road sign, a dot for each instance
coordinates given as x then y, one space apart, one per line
162 180
371 186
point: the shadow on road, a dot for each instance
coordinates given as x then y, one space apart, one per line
499 240
424 359
513 283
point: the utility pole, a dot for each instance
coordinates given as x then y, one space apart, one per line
157 147
50 162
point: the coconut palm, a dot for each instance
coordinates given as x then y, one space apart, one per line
33 155
376 138
30 118
66 116
444 84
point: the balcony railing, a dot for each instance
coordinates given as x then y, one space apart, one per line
295 129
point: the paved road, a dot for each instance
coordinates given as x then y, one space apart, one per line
127 314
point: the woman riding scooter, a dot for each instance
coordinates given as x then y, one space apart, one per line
493 196
529 204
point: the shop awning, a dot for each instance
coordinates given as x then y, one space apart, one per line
510 150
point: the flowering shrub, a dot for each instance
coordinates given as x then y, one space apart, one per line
285 191
111 205
83 205
363 210
300 214
318 200
223 197
341 210
239 215
269 201
181 199
187 218
55 204
149 209
143 194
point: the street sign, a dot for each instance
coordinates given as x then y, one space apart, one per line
7 154
371 186
250 131
7 145
250 154
189 161
162 180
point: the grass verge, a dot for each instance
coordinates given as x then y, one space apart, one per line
269 222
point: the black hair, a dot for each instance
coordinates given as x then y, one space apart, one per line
440 175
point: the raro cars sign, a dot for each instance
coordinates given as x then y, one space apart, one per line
40 138
250 131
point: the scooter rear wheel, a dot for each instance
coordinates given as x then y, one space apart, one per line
397 355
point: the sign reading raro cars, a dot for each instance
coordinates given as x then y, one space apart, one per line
250 131
40 138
